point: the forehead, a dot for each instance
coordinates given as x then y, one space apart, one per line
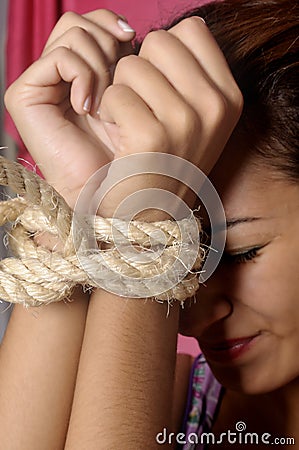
247 187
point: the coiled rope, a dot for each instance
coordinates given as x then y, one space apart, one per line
35 275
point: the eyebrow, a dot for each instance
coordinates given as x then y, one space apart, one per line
220 227
233 222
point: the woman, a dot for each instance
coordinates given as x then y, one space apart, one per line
246 319
103 370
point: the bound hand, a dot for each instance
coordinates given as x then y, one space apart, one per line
177 96
54 103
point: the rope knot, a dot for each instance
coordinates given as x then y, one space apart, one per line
159 260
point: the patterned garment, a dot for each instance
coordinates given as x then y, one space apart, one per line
204 398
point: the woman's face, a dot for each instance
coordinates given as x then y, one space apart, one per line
246 317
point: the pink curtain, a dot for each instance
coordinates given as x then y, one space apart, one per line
30 23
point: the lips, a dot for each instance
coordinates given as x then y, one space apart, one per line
227 350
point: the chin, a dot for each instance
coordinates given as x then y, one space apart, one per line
246 381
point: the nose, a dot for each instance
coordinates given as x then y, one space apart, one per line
212 305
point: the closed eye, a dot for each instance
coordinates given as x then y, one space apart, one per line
242 257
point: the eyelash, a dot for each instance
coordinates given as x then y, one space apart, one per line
238 258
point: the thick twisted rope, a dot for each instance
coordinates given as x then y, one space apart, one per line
36 275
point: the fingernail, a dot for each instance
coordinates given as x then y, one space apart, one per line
125 26
87 104
202 19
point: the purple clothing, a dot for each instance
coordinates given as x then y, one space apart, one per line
204 398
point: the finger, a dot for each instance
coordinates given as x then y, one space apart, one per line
179 119
123 110
112 23
117 26
106 27
96 38
99 24
195 35
61 65
80 42
133 129
178 65
217 117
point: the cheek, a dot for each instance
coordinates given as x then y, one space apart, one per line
269 286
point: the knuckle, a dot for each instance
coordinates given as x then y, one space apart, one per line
217 108
100 15
9 97
114 90
237 101
190 23
67 18
16 97
220 107
147 139
188 125
60 53
123 65
151 40
63 56
75 33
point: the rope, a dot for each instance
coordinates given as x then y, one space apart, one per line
35 275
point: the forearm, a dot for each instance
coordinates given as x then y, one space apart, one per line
124 388
38 367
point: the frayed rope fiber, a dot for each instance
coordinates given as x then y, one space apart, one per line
34 275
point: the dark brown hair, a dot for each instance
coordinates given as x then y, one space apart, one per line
260 41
